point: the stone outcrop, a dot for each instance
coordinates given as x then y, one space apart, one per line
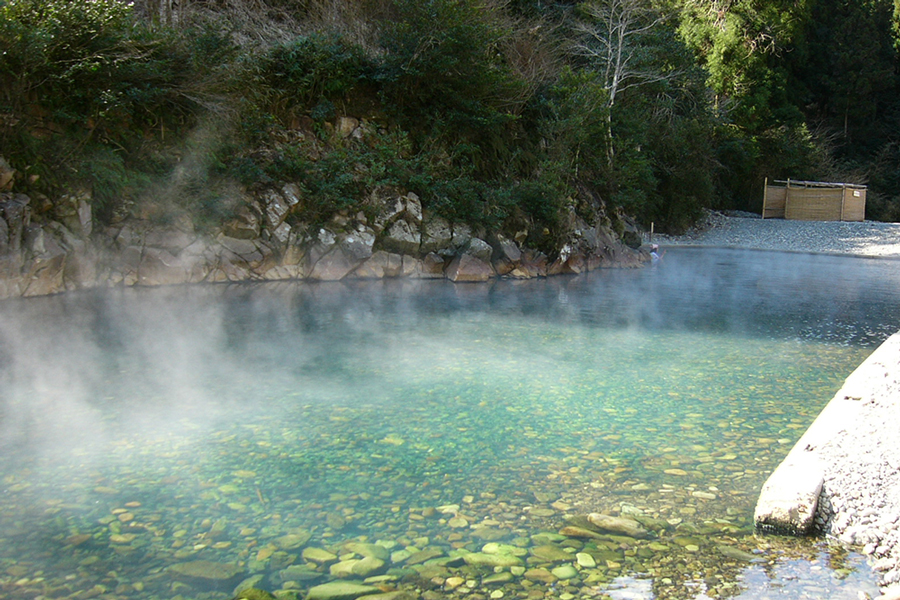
842 477
790 497
49 250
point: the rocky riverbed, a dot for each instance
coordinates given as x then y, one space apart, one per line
460 454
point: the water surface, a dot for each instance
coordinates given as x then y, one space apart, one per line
146 428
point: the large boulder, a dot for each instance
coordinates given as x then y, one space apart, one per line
169 238
393 209
532 264
466 268
159 267
245 224
238 250
345 126
74 211
401 238
44 276
381 265
436 235
277 204
430 267
506 256
15 211
790 497
333 266
358 243
333 256
480 249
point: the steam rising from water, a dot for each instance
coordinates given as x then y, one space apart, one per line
179 357
468 386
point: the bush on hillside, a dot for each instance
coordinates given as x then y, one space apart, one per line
312 70
86 89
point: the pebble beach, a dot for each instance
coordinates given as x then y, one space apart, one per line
860 502
744 230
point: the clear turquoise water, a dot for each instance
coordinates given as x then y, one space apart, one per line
146 428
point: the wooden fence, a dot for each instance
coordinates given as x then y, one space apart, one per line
814 201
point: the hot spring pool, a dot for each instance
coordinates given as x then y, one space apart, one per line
284 431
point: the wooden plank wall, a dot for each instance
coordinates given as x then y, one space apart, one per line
773 205
814 203
854 204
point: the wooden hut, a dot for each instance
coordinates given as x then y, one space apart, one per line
814 201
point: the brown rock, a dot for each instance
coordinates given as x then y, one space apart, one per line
506 256
158 267
208 572
550 553
7 174
345 126
430 267
245 224
333 266
618 525
466 268
542 575
579 532
402 238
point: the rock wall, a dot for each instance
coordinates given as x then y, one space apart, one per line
46 248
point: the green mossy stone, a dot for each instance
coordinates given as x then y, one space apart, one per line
340 590
205 570
565 572
480 559
551 554
369 550
498 578
254 594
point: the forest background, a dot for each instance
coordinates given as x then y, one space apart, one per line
503 114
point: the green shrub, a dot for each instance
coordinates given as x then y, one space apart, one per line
444 78
540 202
90 91
313 71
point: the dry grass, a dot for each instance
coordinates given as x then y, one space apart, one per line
262 23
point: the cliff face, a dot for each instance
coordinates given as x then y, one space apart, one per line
51 251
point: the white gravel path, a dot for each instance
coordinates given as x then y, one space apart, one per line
860 501
867 238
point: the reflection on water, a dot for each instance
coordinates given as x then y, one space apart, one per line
264 427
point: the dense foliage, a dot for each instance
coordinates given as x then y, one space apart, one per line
512 115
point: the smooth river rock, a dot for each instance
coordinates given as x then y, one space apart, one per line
205 571
340 590
480 559
618 525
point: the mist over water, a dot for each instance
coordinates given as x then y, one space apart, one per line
341 409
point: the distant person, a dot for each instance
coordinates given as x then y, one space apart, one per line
655 256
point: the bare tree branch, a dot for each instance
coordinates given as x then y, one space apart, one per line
611 37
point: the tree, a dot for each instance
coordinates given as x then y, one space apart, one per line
614 39
444 77
743 45
848 70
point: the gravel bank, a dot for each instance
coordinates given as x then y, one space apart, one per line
860 502
867 238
